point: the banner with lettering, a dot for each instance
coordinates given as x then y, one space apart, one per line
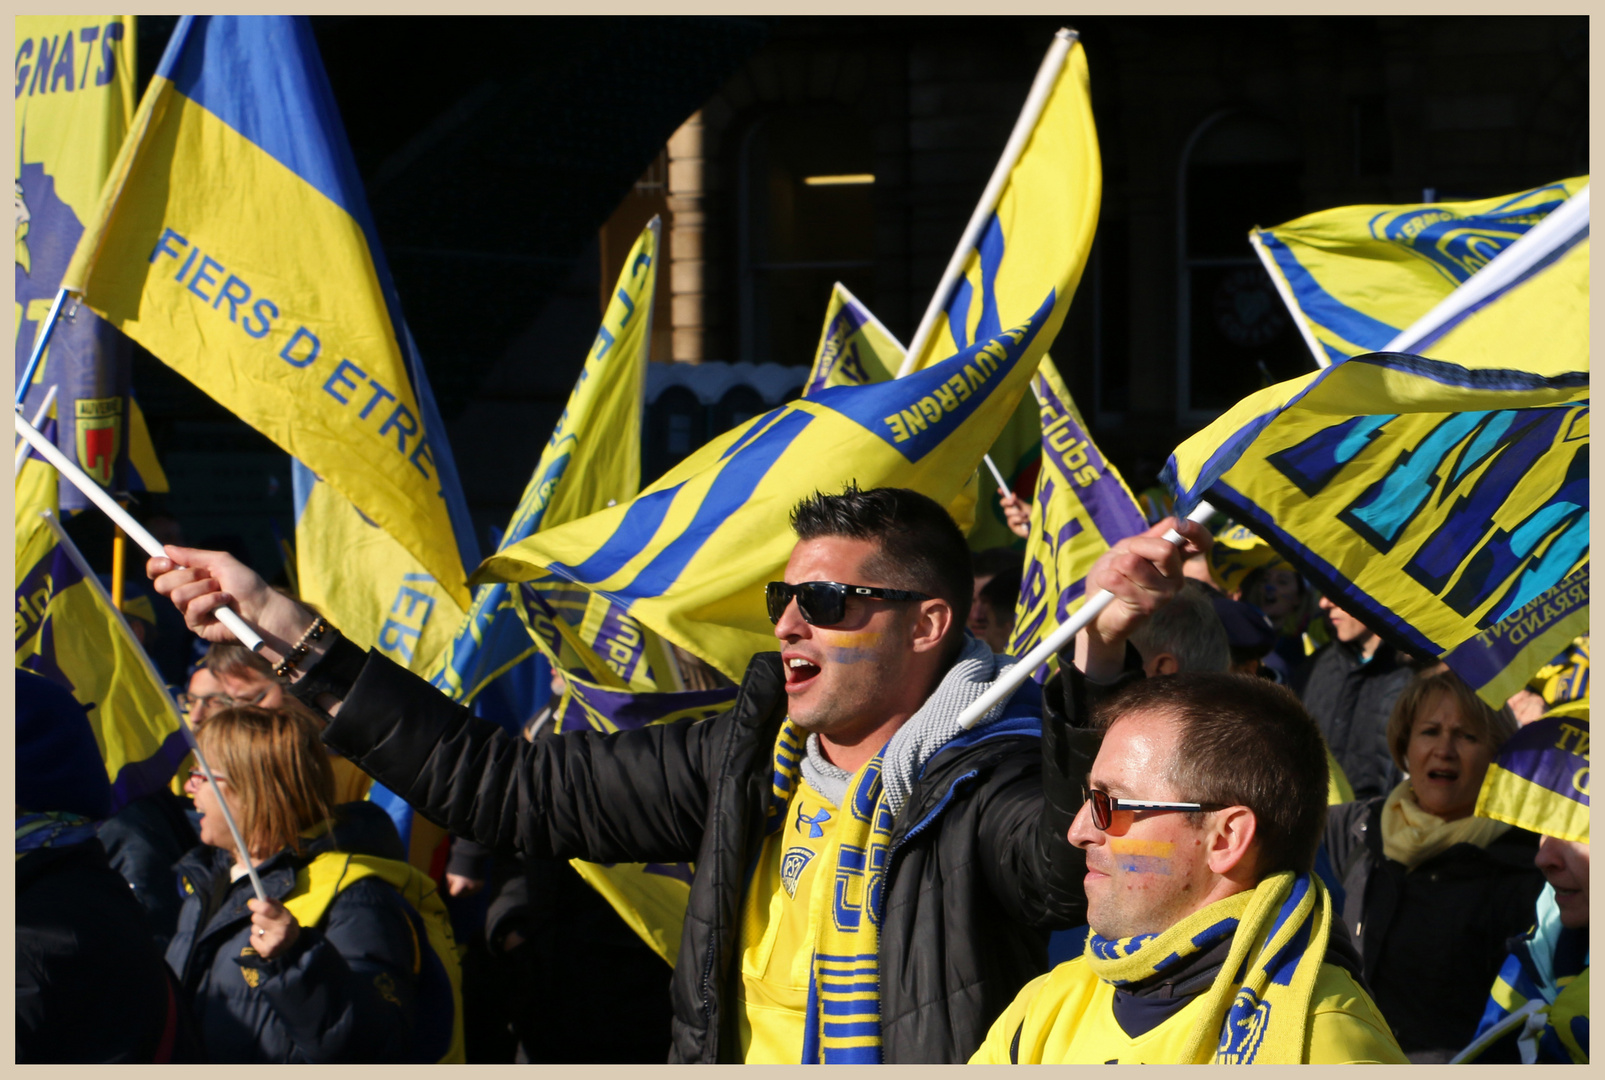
233 240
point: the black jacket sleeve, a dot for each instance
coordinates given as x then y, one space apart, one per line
348 989
1050 892
629 796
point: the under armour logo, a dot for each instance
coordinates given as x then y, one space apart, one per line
813 823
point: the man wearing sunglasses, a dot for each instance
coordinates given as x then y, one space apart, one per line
1212 939
872 883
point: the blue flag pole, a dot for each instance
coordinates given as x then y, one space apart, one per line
39 346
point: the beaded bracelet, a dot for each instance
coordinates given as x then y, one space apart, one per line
298 651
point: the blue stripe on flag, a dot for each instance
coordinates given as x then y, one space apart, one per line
1321 307
640 524
731 489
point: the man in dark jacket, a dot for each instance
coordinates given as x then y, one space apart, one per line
91 985
1349 686
851 727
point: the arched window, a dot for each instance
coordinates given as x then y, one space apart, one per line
807 220
1234 334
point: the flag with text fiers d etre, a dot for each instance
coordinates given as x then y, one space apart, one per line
74 101
690 556
68 631
1082 508
1039 236
591 461
233 240
650 897
1357 276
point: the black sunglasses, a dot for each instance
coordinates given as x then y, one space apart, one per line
1104 806
824 603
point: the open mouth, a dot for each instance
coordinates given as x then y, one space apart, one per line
1445 776
799 671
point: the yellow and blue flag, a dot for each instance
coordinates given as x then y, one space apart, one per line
690 556
1539 781
74 101
650 897
1039 236
361 577
1443 501
855 348
1356 276
591 461
1081 508
68 631
233 240
36 482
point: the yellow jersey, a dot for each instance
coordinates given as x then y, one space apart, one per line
1067 1017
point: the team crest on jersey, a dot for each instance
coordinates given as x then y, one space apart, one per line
792 864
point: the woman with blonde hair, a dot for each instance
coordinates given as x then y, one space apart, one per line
1430 892
350 956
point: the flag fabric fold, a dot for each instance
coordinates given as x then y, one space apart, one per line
233 240
1040 233
1443 500
68 632
591 461
1354 277
689 557
74 102
1081 508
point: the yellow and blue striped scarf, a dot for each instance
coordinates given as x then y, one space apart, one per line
52 829
843 1023
1257 1011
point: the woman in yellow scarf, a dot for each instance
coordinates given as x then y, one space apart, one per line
1429 891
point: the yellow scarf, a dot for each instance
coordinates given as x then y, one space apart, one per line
843 1021
1411 835
1257 1011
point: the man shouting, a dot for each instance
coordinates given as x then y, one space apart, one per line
872 882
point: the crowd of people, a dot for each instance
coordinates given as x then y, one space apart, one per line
1232 825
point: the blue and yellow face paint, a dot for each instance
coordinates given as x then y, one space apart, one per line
1142 856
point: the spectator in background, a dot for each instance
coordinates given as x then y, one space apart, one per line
991 617
1431 893
1184 635
91 984
1349 685
339 963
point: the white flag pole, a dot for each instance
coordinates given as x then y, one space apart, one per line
1035 102
996 475
38 418
140 535
1285 291
72 552
1022 669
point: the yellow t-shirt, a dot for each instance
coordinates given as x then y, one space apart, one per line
791 893
1069 1018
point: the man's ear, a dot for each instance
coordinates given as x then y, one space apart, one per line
1163 664
931 625
1231 844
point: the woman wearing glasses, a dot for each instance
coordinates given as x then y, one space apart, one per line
1430 892
339 963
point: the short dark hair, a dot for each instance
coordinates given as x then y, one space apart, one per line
1242 741
233 660
996 560
921 547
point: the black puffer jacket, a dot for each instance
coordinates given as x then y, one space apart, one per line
1432 938
144 842
1351 701
91 985
981 868
345 992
